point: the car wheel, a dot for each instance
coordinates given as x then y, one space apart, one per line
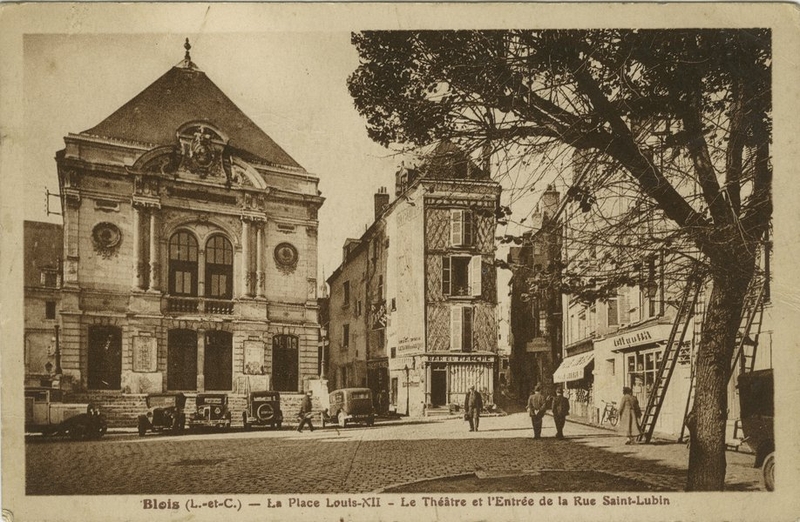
768 470
342 419
77 431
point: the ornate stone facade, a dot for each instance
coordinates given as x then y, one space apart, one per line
174 208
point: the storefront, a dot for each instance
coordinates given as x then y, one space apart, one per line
575 374
631 358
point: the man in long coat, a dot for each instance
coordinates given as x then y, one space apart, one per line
537 405
560 412
472 408
304 417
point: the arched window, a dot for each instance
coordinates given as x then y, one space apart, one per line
285 363
183 264
219 268
105 357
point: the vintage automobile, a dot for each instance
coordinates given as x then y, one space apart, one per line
263 409
350 405
756 401
212 411
164 413
46 413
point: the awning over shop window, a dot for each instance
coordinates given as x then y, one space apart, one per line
571 368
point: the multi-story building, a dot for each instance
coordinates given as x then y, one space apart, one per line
535 302
43 244
425 273
190 249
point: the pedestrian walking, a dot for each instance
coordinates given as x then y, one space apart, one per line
560 410
629 413
305 413
473 404
537 405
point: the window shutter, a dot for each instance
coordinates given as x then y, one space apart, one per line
446 276
624 306
475 276
466 340
456 227
455 328
467 224
612 312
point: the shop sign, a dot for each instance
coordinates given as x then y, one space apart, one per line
461 358
537 344
627 340
374 365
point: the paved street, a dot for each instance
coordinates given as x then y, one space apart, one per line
392 456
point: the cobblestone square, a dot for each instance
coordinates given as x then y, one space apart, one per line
392 456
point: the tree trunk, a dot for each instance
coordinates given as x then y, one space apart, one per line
707 421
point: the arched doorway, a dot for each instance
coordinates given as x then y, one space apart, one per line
182 360
218 361
105 358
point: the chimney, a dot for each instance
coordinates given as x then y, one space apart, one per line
381 201
549 202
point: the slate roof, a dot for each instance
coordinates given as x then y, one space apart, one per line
185 94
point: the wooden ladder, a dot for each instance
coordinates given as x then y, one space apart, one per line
670 358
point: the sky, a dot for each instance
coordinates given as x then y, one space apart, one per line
292 85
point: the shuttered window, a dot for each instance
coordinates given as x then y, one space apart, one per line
461 228
461 321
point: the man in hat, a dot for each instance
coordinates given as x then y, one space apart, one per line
472 408
305 413
537 405
560 411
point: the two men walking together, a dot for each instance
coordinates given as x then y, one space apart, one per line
538 404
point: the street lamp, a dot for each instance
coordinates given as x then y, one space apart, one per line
408 391
57 352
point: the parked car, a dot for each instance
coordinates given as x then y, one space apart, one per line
756 401
350 405
263 409
46 413
164 413
211 411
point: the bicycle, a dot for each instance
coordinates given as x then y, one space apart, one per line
610 413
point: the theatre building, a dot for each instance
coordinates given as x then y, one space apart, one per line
421 284
190 249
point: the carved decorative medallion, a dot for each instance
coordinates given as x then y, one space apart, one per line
106 238
286 256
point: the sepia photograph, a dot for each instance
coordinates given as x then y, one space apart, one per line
399 262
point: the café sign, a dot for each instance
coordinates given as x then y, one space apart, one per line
630 339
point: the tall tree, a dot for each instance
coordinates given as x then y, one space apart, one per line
701 98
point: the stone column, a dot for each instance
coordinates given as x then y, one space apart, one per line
155 266
245 258
201 272
201 360
138 265
260 282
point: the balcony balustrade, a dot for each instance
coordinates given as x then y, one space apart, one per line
199 305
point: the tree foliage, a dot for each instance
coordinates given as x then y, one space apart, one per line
681 119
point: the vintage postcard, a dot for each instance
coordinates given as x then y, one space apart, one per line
393 261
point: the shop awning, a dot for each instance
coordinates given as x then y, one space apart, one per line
571 368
